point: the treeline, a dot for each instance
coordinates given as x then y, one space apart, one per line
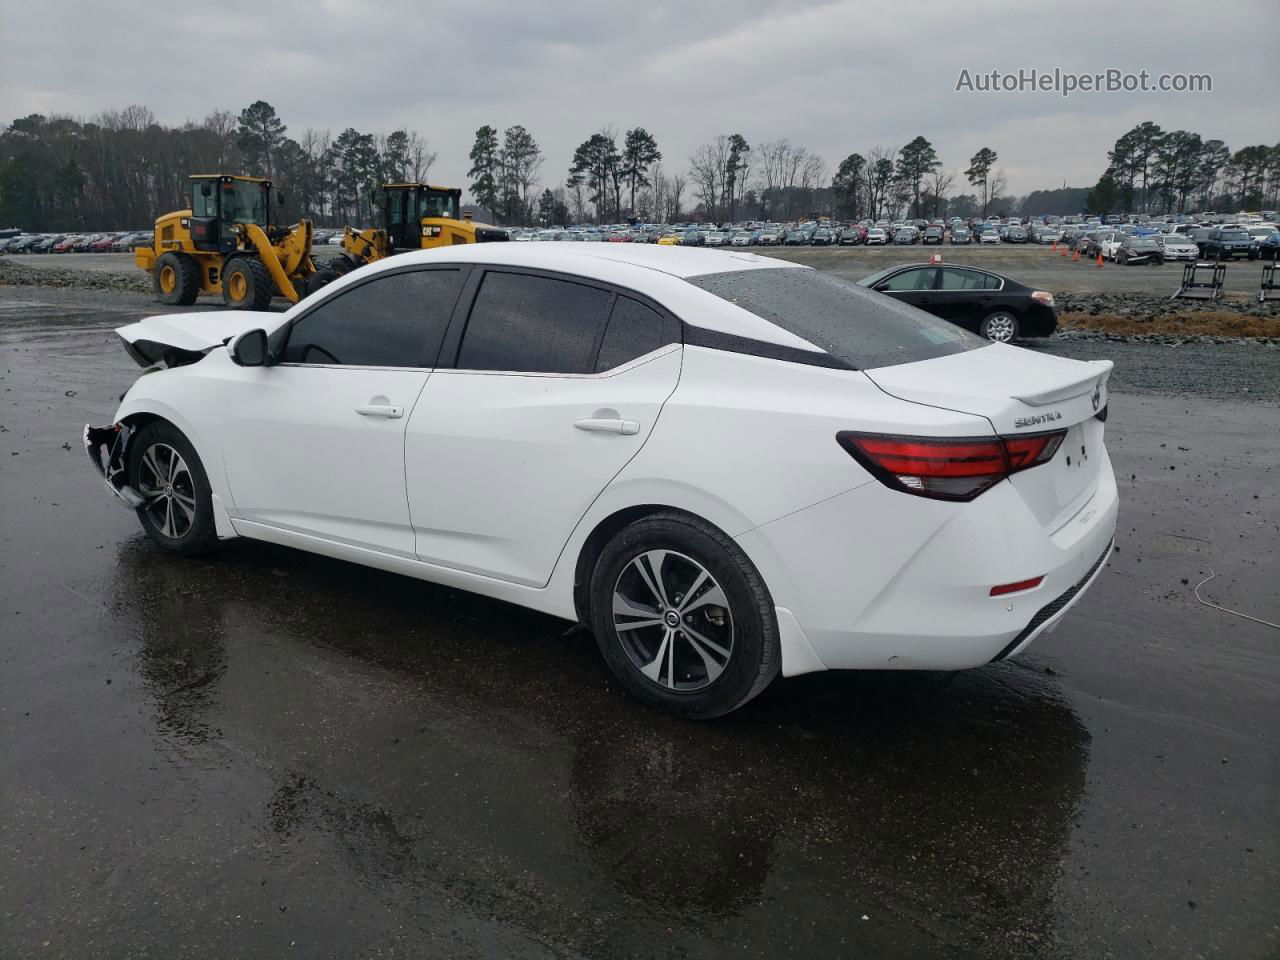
123 168
1150 170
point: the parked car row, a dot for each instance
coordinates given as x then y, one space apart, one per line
116 242
1130 243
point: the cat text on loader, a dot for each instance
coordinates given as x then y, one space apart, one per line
415 216
225 244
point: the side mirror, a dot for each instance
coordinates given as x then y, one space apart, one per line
249 349
206 190
881 287
280 198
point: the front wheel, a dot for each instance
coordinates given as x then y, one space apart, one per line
683 618
177 507
999 326
246 284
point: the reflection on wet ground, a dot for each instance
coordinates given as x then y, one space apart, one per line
482 751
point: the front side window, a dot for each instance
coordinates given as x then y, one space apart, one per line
243 202
526 323
908 280
440 203
393 320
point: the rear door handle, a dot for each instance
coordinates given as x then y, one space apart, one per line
628 428
387 410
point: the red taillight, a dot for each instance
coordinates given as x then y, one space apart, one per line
948 468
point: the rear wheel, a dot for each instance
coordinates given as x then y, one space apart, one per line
246 284
683 617
176 280
999 326
177 507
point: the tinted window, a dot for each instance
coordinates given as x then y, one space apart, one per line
918 279
854 325
954 278
633 331
537 324
395 320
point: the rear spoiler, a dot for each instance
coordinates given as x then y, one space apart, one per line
1100 373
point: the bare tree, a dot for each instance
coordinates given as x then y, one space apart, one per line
940 183
708 167
675 195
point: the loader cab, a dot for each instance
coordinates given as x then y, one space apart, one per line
219 202
406 205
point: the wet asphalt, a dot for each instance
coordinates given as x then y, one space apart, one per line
268 754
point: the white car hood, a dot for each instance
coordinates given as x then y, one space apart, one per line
197 332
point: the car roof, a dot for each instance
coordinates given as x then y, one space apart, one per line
655 271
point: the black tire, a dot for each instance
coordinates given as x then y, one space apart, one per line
1000 326
191 532
180 274
754 656
257 289
321 279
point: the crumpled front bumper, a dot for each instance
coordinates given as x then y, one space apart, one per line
106 448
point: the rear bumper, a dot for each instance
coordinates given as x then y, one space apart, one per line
877 584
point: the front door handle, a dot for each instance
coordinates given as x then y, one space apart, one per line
628 428
387 410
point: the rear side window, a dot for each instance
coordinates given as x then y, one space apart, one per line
955 278
633 331
533 324
856 326
393 320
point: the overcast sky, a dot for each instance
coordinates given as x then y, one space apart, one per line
836 76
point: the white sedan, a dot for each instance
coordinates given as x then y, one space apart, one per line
728 466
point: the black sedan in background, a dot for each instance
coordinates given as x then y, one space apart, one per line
994 306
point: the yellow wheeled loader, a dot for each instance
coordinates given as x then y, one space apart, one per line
415 216
225 244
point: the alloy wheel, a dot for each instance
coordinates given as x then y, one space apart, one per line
1000 328
168 492
673 620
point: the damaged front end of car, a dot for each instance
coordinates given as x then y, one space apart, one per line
108 449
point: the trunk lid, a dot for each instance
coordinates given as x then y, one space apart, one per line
1020 391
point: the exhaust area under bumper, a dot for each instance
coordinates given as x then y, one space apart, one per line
106 448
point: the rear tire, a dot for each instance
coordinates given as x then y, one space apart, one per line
731 650
176 280
999 326
165 469
246 284
321 279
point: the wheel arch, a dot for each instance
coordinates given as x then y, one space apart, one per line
604 531
141 416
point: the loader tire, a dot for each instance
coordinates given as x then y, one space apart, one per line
321 278
246 284
341 265
176 280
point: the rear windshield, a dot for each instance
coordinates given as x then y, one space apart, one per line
863 328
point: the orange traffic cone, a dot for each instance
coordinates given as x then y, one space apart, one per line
1064 249
1055 245
1099 258
1075 255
